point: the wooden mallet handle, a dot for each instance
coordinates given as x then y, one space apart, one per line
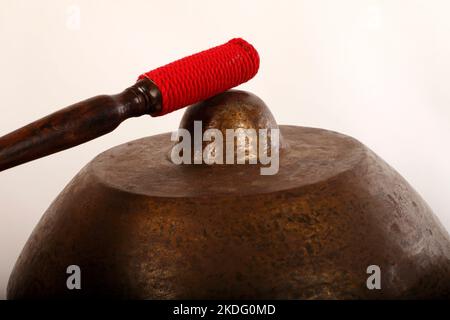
158 92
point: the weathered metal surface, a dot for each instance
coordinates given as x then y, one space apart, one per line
141 227
231 110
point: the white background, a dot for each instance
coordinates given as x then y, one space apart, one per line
376 70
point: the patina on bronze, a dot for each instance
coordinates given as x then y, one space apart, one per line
141 227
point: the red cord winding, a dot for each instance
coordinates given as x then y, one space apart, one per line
204 74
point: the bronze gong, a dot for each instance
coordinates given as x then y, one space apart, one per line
141 227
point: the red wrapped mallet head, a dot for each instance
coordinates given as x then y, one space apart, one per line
204 74
158 92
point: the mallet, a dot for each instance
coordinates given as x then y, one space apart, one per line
158 92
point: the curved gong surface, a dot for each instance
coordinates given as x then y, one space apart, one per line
140 227
311 156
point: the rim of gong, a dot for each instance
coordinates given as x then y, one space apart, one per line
142 167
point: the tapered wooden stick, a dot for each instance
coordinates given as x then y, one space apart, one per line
78 123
